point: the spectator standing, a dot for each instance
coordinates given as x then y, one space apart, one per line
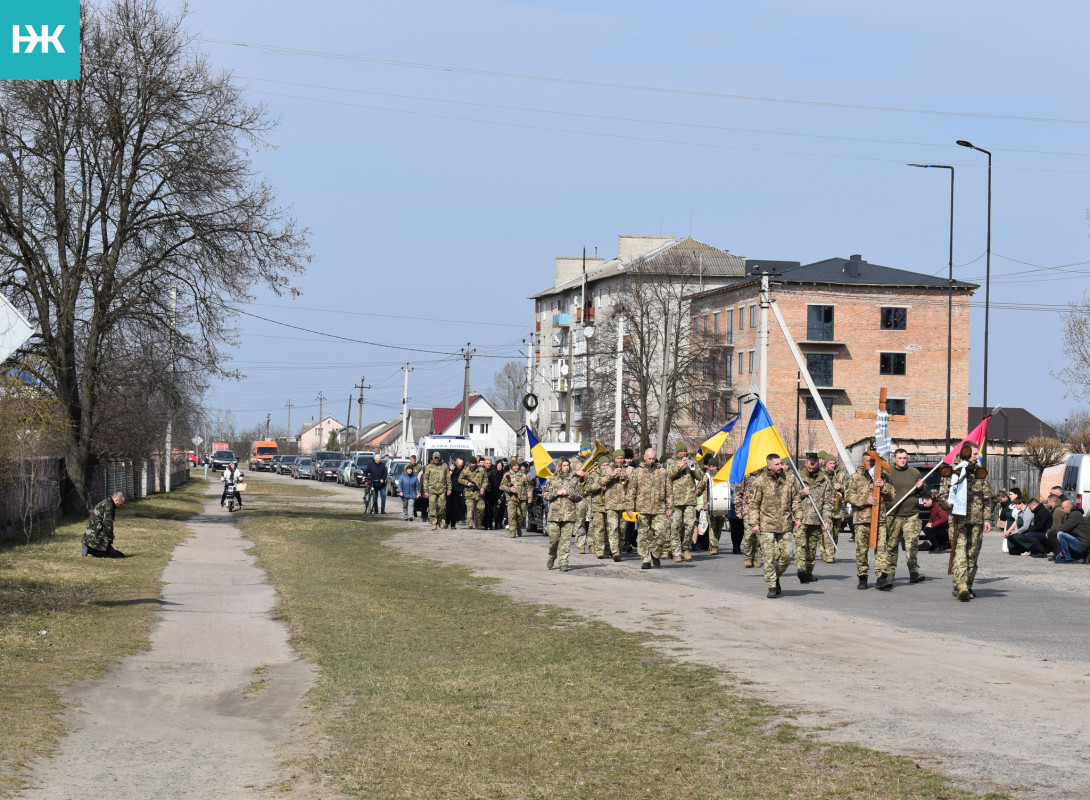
456 499
408 486
378 471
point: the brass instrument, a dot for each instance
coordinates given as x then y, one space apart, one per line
598 456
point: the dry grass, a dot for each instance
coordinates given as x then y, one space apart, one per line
64 618
435 687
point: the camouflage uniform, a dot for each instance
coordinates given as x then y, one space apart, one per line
979 507
615 502
580 512
475 478
562 515
596 509
774 506
685 489
436 484
904 522
99 535
808 537
860 489
840 513
751 545
513 486
651 496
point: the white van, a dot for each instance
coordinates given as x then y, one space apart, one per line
449 447
1076 480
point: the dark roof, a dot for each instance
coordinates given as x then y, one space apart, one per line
1023 425
768 264
855 271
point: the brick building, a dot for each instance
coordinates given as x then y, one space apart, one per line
860 327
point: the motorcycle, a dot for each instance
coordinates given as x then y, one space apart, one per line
234 494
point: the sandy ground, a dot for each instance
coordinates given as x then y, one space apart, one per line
989 714
202 713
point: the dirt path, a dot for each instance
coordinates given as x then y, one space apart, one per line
989 714
202 713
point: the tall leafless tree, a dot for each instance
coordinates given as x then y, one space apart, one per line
115 188
508 385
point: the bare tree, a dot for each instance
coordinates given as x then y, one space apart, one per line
1043 452
120 185
509 385
1075 420
1076 348
1079 441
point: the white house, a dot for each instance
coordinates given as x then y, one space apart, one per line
316 435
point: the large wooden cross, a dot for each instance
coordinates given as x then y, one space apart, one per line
875 514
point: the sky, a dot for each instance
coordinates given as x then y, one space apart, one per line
442 154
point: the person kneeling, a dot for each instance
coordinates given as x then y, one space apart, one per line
98 539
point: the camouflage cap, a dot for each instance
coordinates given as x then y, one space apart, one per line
618 454
682 447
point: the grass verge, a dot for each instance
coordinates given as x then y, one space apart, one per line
64 618
432 686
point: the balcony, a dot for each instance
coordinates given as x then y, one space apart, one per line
722 339
561 320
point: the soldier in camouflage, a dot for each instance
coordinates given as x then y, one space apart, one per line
839 480
435 485
774 507
650 495
903 522
475 480
686 485
513 487
861 495
596 512
818 488
969 522
614 480
563 493
581 506
98 539
751 545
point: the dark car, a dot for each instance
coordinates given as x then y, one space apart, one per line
359 468
222 459
302 467
274 463
286 462
327 470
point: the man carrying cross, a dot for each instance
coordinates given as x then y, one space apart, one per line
866 494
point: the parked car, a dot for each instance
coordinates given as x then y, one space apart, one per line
394 468
274 464
359 467
286 463
342 471
1076 479
302 468
327 470
222 459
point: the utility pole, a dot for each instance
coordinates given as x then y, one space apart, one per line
660 444
321 400
405 450
762 339
617 396
359 416
268 420
347 425
289 406
169 446
467 354
571 379
529 387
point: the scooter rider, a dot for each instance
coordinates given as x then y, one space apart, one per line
230 477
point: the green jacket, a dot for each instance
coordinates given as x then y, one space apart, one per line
100 527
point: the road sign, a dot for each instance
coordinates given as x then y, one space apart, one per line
197 441
14 329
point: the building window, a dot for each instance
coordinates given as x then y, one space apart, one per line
812 409
728 366
753 316
819 323
730 320
752 356
741 361
696 410
891 363
894 319
715 369
741 318
895 406
715 408
715 323
705 324
820 367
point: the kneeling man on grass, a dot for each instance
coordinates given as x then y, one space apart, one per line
98 539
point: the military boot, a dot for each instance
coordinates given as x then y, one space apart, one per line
434 526
916 577
677 558
687 555
963 594
772 592
552 560
883 583
863 582
655 560
749 563
803 577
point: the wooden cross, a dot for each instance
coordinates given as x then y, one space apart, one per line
879 465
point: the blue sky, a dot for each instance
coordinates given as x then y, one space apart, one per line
433 219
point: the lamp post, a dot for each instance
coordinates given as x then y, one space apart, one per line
987 280
949 296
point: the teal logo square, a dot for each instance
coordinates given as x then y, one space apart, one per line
39 40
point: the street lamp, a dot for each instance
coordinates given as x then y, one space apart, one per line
987 279
949 295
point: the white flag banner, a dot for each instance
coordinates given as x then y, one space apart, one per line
14 329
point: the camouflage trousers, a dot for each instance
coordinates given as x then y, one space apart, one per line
596 532
437 507
560 534
862 544
581 529
474 509
885 560
751 544
516 515
966 550
653 536
826 549
615 525
807 540
776 553
681 527
715 530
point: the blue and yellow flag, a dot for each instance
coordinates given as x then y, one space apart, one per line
762 438
542 460
715 441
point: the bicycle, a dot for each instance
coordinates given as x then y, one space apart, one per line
368 496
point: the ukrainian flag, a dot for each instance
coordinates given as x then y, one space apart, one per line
541 457
716 440
761 439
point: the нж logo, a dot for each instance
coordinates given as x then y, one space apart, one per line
32 39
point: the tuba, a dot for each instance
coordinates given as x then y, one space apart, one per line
598 456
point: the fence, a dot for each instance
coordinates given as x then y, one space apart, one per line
32 505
